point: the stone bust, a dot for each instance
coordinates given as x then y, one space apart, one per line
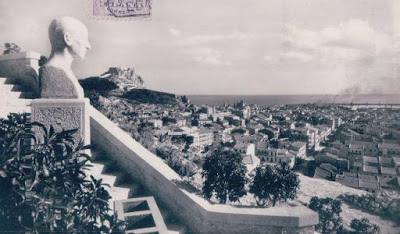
69 40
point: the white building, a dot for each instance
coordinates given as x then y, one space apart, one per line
276 156
250 159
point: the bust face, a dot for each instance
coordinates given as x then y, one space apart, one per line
69 33
79 44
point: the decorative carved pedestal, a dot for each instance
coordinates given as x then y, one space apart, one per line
63 114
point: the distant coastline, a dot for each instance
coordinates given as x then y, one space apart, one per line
269 100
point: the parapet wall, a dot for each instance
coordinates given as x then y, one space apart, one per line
197 213
23 67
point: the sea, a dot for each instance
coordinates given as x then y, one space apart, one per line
271 100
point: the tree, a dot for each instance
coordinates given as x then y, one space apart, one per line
329 214
363 226
180 165
238 130
224 175
267 132
11 48
274 183
310 167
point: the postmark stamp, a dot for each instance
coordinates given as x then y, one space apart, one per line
121 9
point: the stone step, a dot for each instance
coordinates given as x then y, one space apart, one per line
9 88
4 80
14 102
107 179
12 107
137 190
96 169
4 111
13 92
11 95
122 178
27 95
128 184
118 193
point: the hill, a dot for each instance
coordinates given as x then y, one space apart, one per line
150 96
98 84
107 87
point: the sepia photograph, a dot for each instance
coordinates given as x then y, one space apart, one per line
200 116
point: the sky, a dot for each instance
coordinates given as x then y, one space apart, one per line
231 46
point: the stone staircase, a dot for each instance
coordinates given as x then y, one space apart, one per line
13 99
125 183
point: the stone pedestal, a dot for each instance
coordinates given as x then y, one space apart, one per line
63 114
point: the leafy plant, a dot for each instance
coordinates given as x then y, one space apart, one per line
11 48
363 226
329 214
274 183
44 183
224 175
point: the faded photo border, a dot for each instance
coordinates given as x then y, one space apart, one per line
119 9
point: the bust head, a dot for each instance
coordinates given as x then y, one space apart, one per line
69 39
71 34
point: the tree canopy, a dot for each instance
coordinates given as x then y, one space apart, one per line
274 183
225 175
329 214
363 226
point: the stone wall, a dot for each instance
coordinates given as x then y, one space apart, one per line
23 67
194 211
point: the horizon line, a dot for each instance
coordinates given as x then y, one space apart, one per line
360 94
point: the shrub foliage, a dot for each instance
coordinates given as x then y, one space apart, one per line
381 204
363 226
44 187
329 214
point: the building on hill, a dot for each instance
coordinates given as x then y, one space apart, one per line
246 112
203 137
348 179
276 156
300 149
339 163
389 149
262 148
363 148
241 147
125 78
326 171
366 182
250 159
